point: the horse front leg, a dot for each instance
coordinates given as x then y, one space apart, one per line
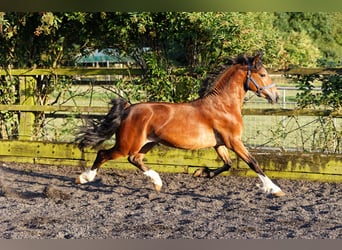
267 185
137 160
223 152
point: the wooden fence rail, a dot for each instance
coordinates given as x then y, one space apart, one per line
71 110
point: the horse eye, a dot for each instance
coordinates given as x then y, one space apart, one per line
262 75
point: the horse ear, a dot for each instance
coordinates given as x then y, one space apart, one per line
257 60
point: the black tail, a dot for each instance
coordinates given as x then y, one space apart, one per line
98 131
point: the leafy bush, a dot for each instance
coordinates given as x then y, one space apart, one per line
8 95
329 97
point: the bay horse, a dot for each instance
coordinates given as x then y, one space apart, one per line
213 120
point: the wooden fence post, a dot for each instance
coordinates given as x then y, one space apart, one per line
27 88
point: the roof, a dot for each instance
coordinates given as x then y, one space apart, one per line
102 57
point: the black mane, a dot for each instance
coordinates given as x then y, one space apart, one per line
208 82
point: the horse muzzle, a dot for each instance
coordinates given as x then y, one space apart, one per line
271 96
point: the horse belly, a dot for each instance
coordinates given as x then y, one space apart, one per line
188 138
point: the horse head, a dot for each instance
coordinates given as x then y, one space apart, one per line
259 81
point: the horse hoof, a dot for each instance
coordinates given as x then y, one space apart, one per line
86 176
198 172
202 172
157 187
78 180
278 194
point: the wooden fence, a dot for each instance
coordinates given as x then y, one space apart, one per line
313 166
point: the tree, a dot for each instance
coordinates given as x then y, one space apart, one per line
310 39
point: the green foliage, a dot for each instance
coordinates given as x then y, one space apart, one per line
8 95
160 84
310 39
303 51
195 39
331 91
8 91
329 97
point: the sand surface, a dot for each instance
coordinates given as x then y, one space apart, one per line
42 202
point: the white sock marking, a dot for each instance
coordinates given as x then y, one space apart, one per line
268 185
154 176
88 176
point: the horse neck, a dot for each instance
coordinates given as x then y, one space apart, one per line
229 88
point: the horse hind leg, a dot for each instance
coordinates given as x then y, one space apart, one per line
101 157
222 151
